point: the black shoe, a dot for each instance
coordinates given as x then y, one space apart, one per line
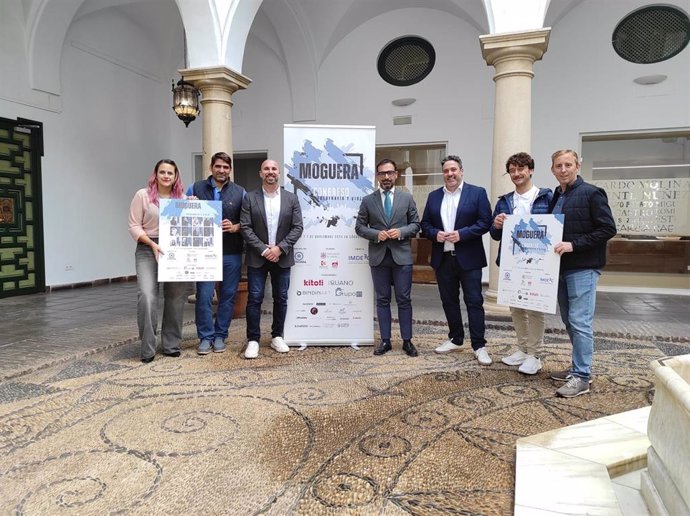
383 348
147 360
174 354
409 348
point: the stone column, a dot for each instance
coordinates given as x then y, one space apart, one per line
513 56
217 84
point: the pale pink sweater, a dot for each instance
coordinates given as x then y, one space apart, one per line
143 216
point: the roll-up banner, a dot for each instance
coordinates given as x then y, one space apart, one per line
331 300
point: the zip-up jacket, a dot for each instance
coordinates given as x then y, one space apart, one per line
588 224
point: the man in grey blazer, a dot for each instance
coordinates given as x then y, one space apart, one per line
388 219
271 224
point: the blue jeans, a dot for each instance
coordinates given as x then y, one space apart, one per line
383 275
577 295
450 277
205 326
256 283
148 288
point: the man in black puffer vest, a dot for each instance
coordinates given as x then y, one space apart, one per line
219 187
587 227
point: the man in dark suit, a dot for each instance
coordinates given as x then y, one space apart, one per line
271 224
455 218
388 219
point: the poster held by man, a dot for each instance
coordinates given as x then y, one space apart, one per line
528 276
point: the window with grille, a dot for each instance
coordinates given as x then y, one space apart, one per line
406 61
652 34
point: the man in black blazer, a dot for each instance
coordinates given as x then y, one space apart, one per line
455 218
271 224
388 219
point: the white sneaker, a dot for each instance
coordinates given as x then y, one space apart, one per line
252 350
531 365
483 356
279 345
447 346
516 358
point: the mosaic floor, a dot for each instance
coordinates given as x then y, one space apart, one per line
320 431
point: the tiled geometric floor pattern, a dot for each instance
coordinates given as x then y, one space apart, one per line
320 431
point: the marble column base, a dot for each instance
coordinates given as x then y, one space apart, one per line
659 491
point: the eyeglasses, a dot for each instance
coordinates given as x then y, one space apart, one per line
386 173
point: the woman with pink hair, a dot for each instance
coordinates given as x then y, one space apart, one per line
164 183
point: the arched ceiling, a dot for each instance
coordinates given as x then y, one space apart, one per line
217 30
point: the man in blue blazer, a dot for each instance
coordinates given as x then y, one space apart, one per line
455 218
388 219
271 224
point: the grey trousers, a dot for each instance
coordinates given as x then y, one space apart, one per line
174 294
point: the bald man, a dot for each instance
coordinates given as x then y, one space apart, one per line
271 224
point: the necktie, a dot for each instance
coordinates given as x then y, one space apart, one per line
387 205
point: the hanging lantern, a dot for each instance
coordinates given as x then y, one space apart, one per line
185 101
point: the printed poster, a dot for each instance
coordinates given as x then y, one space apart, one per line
528 276
190 235
331 298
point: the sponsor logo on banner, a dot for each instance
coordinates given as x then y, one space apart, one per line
314 310
313 283
358 258
299 257
337 283
313 292
339 292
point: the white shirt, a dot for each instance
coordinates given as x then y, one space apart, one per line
449 208
522 203
272 206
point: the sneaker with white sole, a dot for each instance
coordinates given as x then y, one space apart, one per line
447 347
564 376
483 356
516 358
531 365
252 350
573 387
278 344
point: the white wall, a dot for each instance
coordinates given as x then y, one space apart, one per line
260 111
454 103
101 145
98 152
583 86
